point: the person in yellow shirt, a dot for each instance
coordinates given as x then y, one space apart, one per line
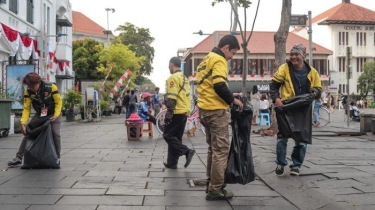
214 98
45 99
293 78
177 101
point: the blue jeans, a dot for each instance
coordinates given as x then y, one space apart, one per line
298 154
317 106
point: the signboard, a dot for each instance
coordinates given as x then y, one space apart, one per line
14 85
298 20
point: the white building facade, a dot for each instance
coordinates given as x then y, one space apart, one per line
36 33
346 25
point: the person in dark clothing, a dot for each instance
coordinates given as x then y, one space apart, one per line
125 103
293 78
178 107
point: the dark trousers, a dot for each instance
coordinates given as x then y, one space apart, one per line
172 134
55 127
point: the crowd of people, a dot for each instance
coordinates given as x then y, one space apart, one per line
214 98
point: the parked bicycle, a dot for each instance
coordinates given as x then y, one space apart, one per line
192 120
324 116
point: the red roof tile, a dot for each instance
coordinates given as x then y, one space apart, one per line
81 23
346 13
260 42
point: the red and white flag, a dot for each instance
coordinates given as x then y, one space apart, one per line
119 83
106 76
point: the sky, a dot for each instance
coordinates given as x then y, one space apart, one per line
172 22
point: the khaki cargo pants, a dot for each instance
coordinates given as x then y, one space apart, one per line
217 138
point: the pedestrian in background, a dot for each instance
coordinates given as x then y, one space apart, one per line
293 78
214 98
178 105
255 100
156 102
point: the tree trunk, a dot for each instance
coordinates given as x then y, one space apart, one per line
280 48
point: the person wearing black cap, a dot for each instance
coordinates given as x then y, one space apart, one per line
177 101
293 78
214 98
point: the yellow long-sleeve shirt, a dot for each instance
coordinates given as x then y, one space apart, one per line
54 106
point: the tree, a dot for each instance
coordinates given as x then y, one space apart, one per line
86 59
139 41
282 33
245 39
366 81
145 83
123 58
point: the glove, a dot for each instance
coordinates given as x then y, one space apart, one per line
168 117
316 92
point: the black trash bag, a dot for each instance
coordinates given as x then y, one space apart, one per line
40 151
294 118
240 167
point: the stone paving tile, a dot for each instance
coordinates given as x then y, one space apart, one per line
131 208
177 201
199 208
333 183
14 207
43 175
264 207
134 191
176 174
61 191
118 173
29 199
259 201
339 191
357 199
107 184
23 191
88 178
37 184
63 207
101 200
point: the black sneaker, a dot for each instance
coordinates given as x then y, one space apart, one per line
219 195
189 156
279 170
167 165
294 171
14 162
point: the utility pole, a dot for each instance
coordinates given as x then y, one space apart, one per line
108 32
310 40
348 75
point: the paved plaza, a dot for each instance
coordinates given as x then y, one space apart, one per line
102 170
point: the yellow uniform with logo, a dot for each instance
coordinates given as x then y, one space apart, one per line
213 69
178 88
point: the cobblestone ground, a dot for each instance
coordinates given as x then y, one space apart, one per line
102 170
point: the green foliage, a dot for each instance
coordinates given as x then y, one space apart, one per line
86 59
366 81
139 41
71 98
241 3
104 105
123 58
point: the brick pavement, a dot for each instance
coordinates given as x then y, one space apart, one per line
102 170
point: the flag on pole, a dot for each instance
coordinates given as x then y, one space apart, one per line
119 83
106 76
126 87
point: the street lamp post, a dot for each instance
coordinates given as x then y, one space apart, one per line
108 32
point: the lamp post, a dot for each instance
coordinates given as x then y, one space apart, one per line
108 32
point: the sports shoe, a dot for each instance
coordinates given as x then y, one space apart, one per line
279 170
189 156
219 195
167 165
14 162
208 184
294 171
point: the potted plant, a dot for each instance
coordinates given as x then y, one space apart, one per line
104 106
71 98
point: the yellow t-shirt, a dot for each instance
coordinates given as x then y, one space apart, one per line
178 88
212 70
